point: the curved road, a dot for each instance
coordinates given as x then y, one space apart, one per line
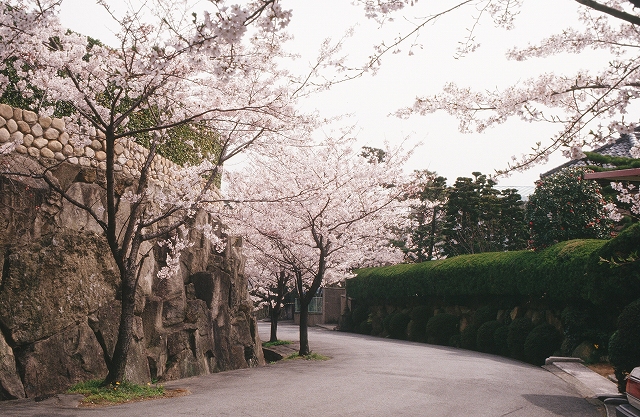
366 376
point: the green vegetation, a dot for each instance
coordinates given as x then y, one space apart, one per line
527 305
617 161
624 346
479 218
564 272
541 343
469 337
416 329
276 343
312 356
564 206
441 328
398 325
485 338
519 329
418 238
123 392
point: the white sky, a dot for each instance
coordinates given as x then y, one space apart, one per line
403 77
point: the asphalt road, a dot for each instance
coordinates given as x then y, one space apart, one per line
366 376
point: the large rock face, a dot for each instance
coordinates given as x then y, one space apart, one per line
59 306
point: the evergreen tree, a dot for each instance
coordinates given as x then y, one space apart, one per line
419 237
565 206
479 218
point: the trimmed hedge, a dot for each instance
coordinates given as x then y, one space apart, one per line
571 270
624 345
398 325
589 281
485 340
500 340
441 328
519 329
468 337
541 343
416 330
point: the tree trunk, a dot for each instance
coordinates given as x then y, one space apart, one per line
275 315
118 362
304 329
432 240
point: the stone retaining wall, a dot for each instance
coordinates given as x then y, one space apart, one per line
45 138
59 285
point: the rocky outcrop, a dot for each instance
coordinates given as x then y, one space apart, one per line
59 298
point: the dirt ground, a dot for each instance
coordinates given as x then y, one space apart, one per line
605 369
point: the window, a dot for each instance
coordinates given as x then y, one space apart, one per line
315 306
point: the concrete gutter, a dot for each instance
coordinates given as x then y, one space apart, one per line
591 385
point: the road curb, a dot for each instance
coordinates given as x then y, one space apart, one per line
589 384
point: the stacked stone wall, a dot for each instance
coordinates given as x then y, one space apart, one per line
47 138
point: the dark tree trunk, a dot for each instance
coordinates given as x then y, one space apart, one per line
432 240
274 315
304 329
274 312
118 362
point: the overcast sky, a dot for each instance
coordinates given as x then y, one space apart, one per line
403 77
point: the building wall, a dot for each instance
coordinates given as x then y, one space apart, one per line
332 304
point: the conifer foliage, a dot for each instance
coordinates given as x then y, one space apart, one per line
479 218
565 206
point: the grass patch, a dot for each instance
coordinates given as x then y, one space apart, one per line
119 393
276 343
310 357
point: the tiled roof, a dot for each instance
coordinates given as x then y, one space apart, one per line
621 147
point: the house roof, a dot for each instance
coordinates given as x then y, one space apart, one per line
621 147
632 174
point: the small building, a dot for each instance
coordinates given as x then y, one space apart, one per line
325 308
621 147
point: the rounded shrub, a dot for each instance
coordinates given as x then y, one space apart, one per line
364 327
541 343
358 315
484 314
500 340
376 323
398 325
416 330
624 345
345 322
575 321
468 337
519 329
386 324
485 341
441 328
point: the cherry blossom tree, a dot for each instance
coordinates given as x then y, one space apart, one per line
589 107
269 283
319 212
169 69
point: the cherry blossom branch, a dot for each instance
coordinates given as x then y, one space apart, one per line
619 14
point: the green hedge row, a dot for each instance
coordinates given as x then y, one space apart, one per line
582 269
520 338
588 281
